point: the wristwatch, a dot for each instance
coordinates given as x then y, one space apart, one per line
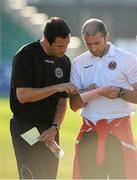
56 126
121 92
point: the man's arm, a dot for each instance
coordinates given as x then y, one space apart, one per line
129 95
49 134
25 95
76 102
60 111
125 94
80 100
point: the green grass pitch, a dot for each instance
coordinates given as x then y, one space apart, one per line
68 132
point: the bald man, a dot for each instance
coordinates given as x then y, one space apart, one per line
107 77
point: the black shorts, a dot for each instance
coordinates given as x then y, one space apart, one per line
113 166
36 161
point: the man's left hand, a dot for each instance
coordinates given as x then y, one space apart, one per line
111 92
48 135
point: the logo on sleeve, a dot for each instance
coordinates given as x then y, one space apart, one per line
49 61
112 65
58 72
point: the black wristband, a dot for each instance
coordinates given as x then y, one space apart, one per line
56 126
121 92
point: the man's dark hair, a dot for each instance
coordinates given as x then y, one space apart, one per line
56 27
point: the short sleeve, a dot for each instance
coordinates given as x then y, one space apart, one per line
22 70
131 69
64 95
74 75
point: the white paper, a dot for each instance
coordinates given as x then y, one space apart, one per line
31 136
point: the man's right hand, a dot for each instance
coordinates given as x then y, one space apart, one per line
69 88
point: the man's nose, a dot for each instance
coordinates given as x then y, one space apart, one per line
94 48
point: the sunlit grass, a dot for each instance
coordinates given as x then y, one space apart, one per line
69 128
68 132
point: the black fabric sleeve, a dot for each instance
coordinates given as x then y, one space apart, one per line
64 95
22 70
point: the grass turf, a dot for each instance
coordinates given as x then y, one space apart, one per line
68 132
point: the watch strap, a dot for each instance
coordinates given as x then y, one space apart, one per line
121 92
56 126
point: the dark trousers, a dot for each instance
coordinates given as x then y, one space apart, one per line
113 166
36 161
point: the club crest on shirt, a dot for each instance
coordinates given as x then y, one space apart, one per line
58 72
112 65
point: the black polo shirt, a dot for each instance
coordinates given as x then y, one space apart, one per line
33 68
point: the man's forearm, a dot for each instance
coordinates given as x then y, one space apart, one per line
60 111
80 100
76 102
28 94
49 134
25 95
129 95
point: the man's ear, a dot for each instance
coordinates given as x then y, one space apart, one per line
46 41
107 37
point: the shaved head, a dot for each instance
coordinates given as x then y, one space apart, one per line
93 26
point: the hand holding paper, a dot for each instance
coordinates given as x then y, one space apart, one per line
31 136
